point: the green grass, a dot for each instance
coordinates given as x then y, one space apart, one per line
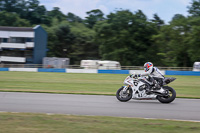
42 123
99 84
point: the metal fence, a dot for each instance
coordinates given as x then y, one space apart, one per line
79 67
161 68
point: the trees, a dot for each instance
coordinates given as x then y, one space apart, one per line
194 9
36 13
179 41
156 20
26 9
193 39
173 46
125 37
12 19
56 13
122 35
84 46
71 40
94 17
11 5
113 37
73 18
61 40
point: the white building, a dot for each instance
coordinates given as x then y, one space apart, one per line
24 45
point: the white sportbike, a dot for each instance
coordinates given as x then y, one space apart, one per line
141 89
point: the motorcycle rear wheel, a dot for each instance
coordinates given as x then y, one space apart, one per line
168 98
124 97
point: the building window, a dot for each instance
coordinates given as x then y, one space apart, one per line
5 39
29 39
12 53
28 54
17 40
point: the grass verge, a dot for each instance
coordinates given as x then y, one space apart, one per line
42 123
92 84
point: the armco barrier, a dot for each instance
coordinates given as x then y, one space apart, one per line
187 73
51 70
167 72
114 71
4 69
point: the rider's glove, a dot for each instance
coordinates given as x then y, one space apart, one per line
132 75
135 75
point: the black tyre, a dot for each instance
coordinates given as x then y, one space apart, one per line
169 97
124 97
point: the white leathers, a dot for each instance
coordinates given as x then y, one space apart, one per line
154 72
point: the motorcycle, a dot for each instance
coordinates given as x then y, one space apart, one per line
141 88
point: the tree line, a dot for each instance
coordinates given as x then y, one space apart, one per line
128 37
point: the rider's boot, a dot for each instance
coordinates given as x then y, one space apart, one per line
148 91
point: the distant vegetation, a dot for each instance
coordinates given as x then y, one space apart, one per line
128 37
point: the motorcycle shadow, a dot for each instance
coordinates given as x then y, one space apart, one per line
148 102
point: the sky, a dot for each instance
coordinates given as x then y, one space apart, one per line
165 9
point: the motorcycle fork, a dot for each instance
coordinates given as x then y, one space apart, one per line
125 89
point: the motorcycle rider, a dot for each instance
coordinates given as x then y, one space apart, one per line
154 75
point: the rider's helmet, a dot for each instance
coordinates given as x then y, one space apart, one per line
148 66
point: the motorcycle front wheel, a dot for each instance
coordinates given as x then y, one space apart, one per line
169 97
124 97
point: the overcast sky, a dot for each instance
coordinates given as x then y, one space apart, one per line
165 9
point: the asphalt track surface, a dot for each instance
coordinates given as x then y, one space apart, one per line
180 109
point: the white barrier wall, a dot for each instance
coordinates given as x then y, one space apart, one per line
136 71
75 70
23 69
186 73
81 71
142 71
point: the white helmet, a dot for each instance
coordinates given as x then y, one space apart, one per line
148 66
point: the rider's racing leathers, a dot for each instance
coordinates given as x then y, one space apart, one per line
155 75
